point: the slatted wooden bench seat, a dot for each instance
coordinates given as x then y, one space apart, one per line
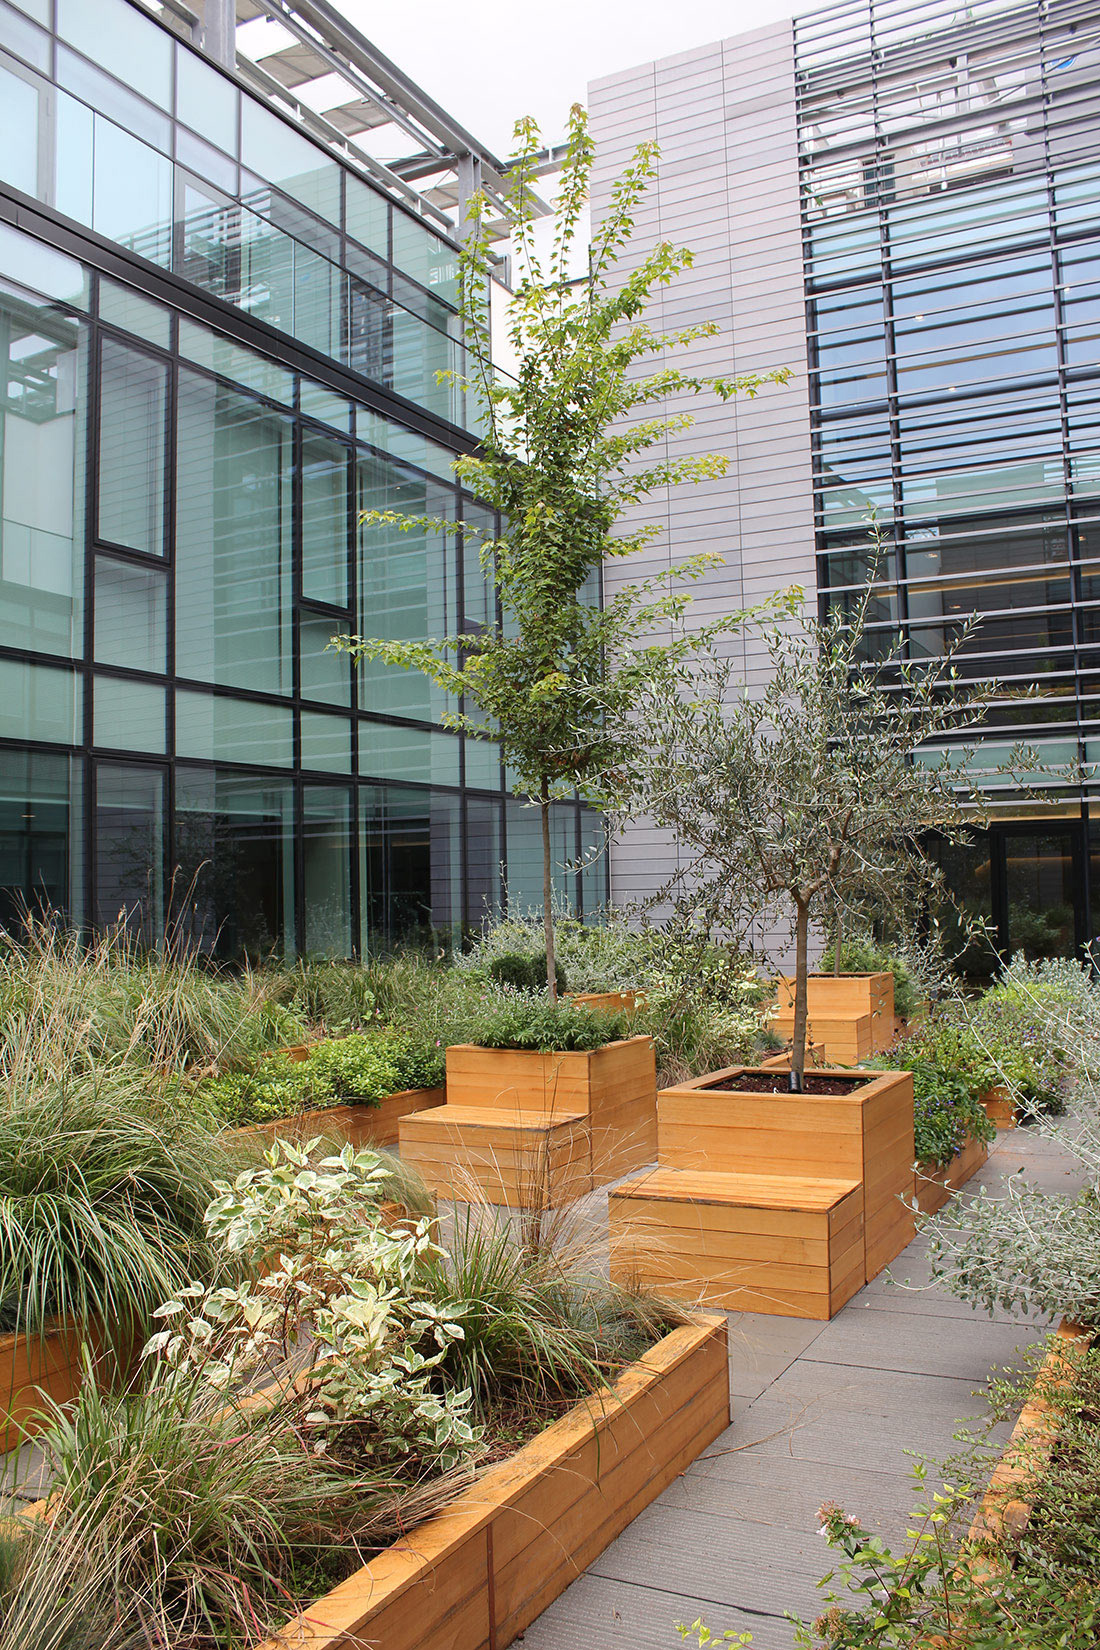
519 1158
786 1244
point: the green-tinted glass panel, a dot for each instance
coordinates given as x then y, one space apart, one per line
39 819
524 827
327 846
233 579
130 849
131 626
234 882
325 478
127 309
205 100
42 421
368 216
72 193
325 675
483 764
133 396
21 36
39 702
410 846
407 585
322 404
129 715
326 742
31 264
217 353
424 256
271 149
420 353
219 729
387 751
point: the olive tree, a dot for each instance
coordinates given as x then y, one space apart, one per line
571 438
817 791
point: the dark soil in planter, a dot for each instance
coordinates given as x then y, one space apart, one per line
778 1082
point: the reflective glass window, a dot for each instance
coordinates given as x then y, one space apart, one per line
132 193
130 849
42 420
233 538
273 150
122 106
39 819
217 728
128 715
524 827
425 256
368 216
131 615
74 152
389 751
320 403
21 37
326 742
202 158
325 478
127 309
29 263
206 100
134 48
407 585
234 862
327 847
411 863
19 127
230 360
39 702
325 675
133 396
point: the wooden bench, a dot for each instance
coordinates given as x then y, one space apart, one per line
785 1244
509 1156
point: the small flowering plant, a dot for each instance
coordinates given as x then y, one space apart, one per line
338 1322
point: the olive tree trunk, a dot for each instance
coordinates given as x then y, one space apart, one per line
801 993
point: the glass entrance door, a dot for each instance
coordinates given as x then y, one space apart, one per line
1042 891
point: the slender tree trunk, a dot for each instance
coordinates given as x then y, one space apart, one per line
801 993
548 891
838 937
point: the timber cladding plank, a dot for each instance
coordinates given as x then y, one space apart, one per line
363 1125
517 1159
479 1573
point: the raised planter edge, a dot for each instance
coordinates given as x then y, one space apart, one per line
935 1183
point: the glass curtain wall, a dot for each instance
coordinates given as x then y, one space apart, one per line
180 542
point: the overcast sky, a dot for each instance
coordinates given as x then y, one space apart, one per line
489 61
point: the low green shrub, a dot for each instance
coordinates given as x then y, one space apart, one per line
525 972
525 1020
951 1072
361 1069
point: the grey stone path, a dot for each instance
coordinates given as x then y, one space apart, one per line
822 1412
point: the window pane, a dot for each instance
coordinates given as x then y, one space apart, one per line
270 148
133 390
129 850
113 33
127 309
233 583
389 752
73 161
39 702
411 867
205 100
525 855
42 415
130 615
323 405
424 256
129 716
39 809
407 586
132 193
18 132
234 858
220 355
368 216
326 742
21 37
324 520
325 676
220 729
122 106
484 854
326 856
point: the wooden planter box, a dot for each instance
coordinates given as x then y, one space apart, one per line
32 1366
999 1106
607 1002
864 1136
360 1125
478 1574
1006 1506
615 1087
851 1014
934 1185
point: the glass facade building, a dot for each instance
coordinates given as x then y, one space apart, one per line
218 346
950 181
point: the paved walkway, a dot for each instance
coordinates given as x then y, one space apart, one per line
823 1412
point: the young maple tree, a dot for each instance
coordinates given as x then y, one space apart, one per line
567 445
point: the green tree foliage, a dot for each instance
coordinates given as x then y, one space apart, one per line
572 440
